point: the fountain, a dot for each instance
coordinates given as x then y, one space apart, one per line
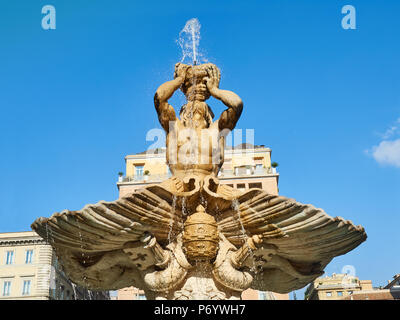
189 39
191 237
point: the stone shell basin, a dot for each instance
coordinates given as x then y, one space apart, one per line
100 246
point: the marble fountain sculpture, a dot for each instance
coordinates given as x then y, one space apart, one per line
191 237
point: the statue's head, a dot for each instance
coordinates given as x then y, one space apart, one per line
195 89
194 86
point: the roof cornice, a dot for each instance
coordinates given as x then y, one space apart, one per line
8 242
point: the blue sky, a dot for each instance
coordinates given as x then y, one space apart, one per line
75 100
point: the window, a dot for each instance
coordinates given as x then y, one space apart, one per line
28 256
340 293
10 257
26 289
241 186
255 185
6 288
329 294
262 295
139 171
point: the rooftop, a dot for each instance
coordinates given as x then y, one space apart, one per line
18 238
18 234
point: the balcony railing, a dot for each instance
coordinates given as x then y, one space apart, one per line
147 178
241 172
222 174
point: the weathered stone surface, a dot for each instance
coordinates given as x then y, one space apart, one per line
102 246
160 240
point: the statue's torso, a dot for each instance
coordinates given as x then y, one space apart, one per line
190 150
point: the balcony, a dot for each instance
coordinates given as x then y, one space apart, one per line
247 172
151 178
227 174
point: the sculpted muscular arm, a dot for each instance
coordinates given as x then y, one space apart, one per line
165 111
231 115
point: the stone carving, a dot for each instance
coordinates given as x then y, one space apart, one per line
200 236
195 144
191 237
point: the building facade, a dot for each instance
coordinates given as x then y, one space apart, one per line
337 287
251 294
130 293
245 166
390 292
29 270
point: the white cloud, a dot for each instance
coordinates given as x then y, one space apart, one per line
387 152
392 130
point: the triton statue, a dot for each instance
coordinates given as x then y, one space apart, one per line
191 237
202 140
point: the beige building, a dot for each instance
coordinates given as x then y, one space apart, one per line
337 287
130 293
245 166
251 294
29 271
390 292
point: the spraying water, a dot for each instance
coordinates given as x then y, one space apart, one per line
236 209
74 288
189 39
83 257
171 221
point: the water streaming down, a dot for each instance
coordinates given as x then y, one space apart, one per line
184 211
74 289
171 221
201 279
47 233
52 282
193 251
203 201
53 271
84 278
236 209
52 274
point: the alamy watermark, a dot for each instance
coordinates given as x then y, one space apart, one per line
349 279
349 20
189 146
49 20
